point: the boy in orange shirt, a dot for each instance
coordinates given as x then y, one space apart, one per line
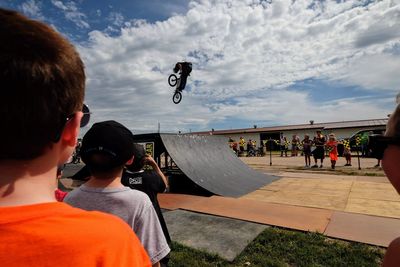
332 148
42 88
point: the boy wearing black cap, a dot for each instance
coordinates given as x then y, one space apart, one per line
42 88
106 148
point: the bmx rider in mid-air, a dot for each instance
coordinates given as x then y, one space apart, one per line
184 68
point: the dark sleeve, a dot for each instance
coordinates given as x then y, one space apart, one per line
176 68
157 184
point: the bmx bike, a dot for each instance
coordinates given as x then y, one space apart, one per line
173 80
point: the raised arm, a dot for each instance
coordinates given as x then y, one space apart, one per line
150 161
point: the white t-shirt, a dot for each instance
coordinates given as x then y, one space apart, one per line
132 206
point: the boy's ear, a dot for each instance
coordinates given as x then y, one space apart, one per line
70 133
129 162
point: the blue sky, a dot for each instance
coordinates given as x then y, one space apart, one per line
254 61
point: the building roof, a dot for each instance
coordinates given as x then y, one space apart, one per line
373 123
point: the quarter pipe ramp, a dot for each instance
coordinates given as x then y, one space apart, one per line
210 163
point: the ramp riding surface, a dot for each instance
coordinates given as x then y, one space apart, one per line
210 163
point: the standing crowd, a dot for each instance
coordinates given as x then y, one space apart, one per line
317 148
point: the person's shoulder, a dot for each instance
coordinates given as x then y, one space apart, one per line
74 191
73 194
83 217
87 229
138 196
91 225
88 223
137 200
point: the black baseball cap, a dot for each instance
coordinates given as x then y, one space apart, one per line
108 138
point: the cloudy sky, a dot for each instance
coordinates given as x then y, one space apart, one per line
260 62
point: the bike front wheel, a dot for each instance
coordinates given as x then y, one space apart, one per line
177 97
172 80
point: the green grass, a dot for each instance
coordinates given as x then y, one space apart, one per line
339 171
278 247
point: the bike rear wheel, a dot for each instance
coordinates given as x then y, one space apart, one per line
177 97
172 80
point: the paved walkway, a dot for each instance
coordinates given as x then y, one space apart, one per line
328 189
333 192
217 235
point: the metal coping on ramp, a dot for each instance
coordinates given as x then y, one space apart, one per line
210 163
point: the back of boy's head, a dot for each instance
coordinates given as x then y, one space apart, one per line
106 147
138 161
42 82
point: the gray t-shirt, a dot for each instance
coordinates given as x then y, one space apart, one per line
133 206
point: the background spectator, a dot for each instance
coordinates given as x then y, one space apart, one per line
319 151
307 144
295 145
283 145
332 148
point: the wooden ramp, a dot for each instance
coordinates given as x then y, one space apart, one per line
363 228
344 225
300 218
175 201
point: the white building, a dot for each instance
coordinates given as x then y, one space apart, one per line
343 129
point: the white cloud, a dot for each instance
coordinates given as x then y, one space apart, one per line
32 8
116 19
72 13
245 53
377 71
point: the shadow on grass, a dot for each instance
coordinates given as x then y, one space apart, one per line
278 247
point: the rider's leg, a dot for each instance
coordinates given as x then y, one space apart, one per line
178 85
182 82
